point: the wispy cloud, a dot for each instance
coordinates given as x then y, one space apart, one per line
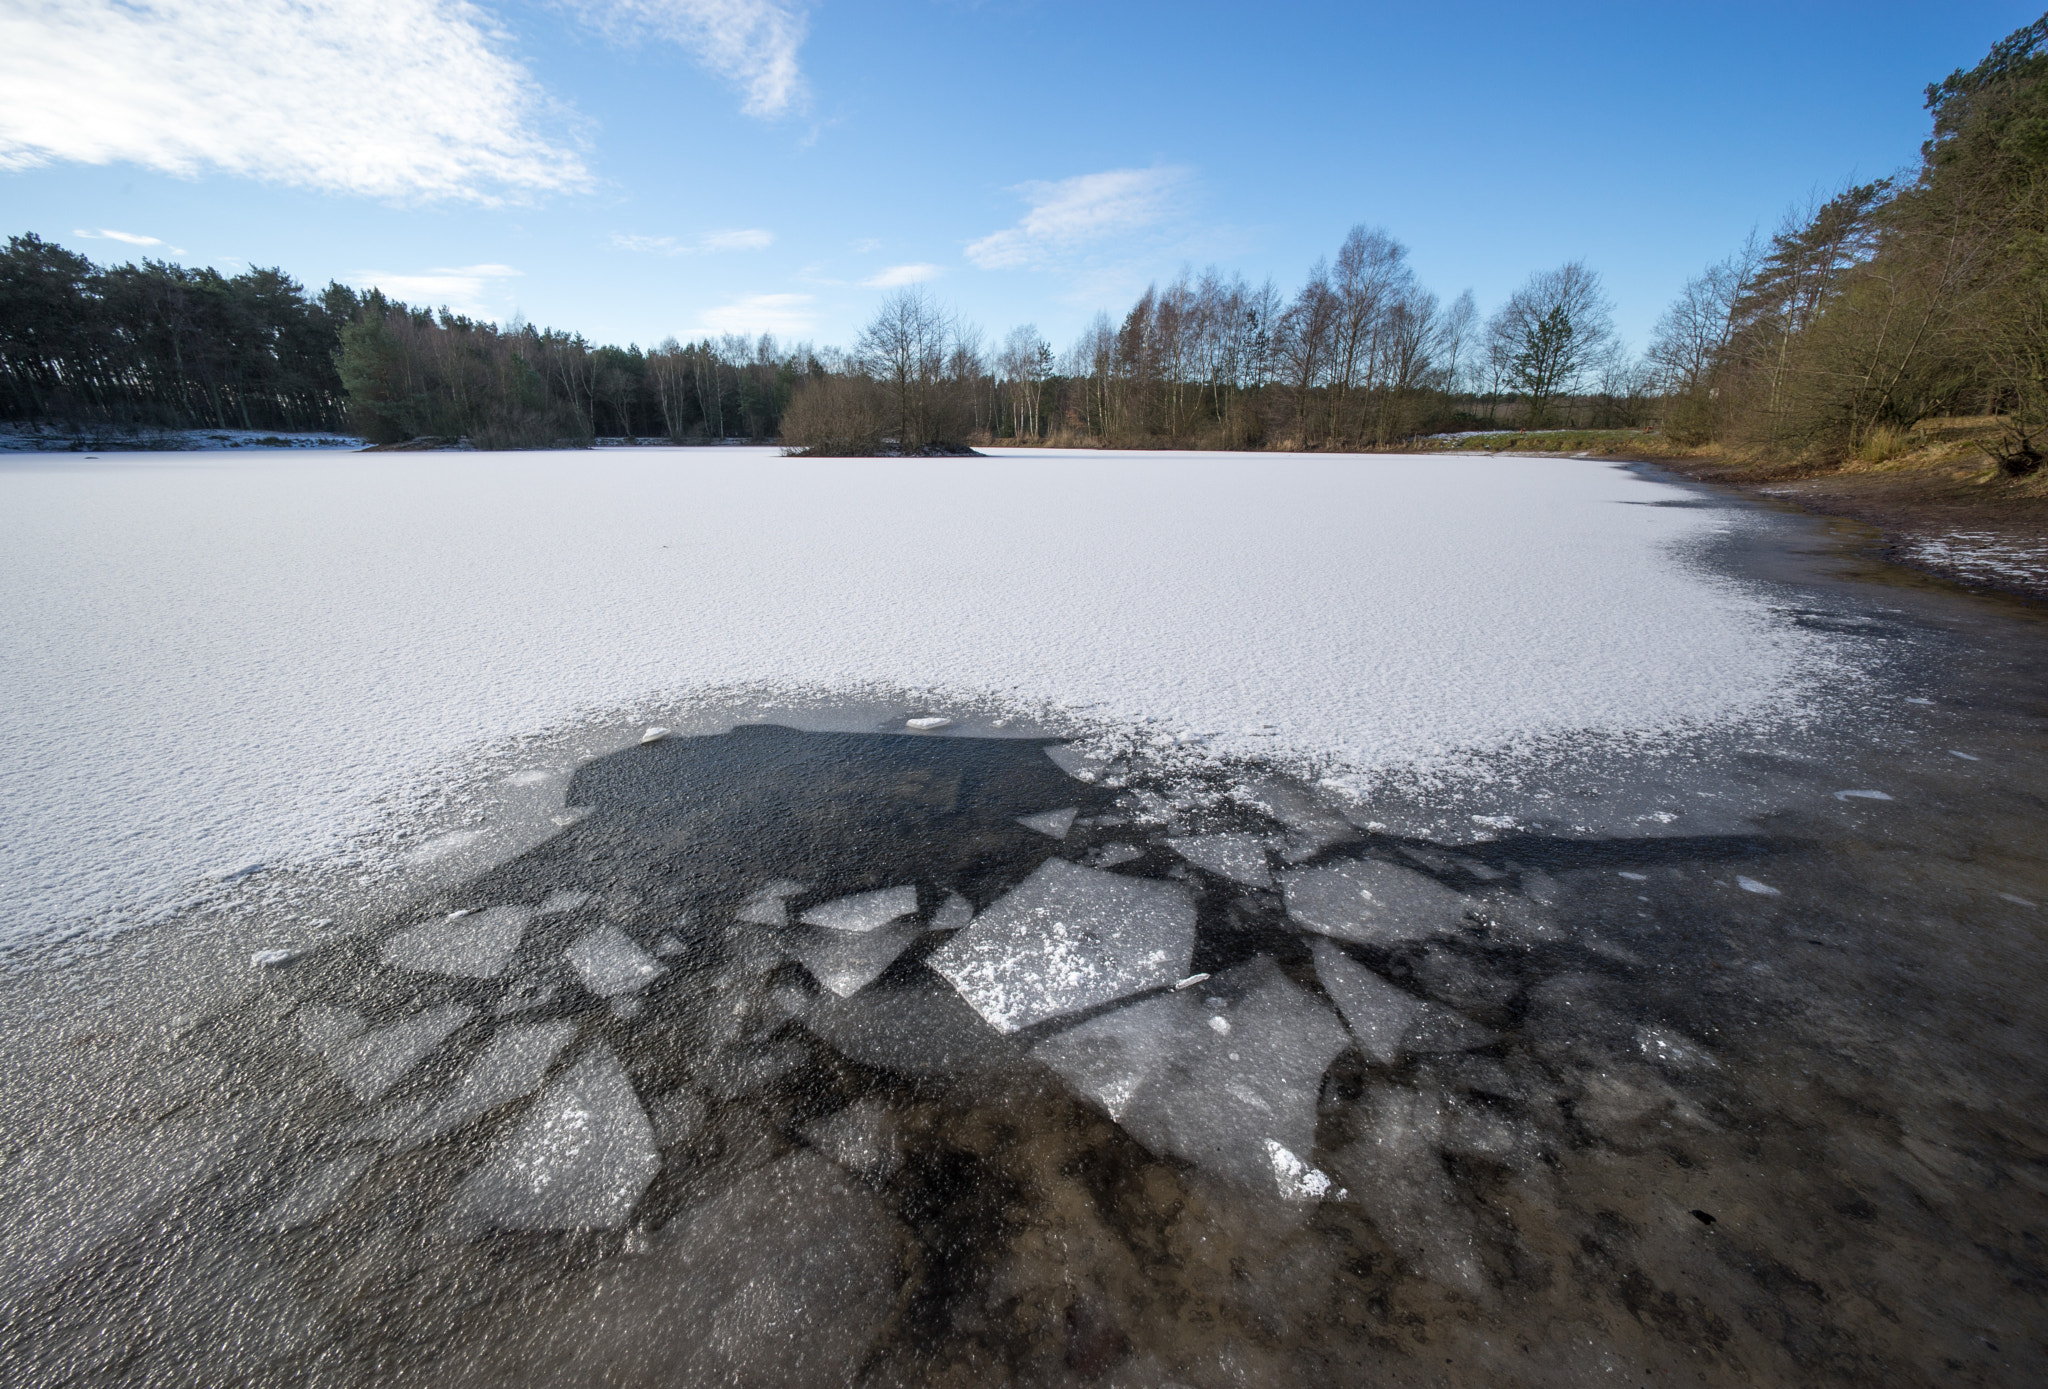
475 290
867 245
400 99
1076 212
760 313
710 243
897 275
751 43
108 234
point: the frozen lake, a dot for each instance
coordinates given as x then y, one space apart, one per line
1126 919
223 660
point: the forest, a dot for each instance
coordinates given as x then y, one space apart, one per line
1886 304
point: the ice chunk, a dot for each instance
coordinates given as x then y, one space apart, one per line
919 1029
1295 1180
469 947
561 901
1393 1171
1215 1100
316 1193
953 913
1378 1014
1054 823
1633 877
271 959
1110 855
1068 938
1312 826
610 963
369 1063
928 723
578 1160
1238 857
1861 796
767 907
848 961
654 735
861 1138
678 1116
667 944
510 1068
1370 902
1966 756
1759 888
864 911
627 1007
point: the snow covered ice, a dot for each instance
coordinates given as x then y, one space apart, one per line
578 1160
473 945
610 963
1370 902
1065 939
865 911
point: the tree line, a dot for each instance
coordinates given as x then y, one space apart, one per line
1891 302
1864 314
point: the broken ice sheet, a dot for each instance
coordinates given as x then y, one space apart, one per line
1215 1099
1312 826
921 1028
510 1068
1068 938
1386 1020
1370 902
864 911
847 961
369 1063
1115 854
953 913
1238 857
610 963
1052 823
474 946
579 1159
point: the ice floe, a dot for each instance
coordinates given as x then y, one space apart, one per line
1761 889
864 911
930 723
1113 855
1053 823
769 906
316 1193
1371 902
610 963
1069 938
953 913
371 1062
861 1138
1213 1099
579 1159
920 1028
563 900
1238 857
470 946
510 1068
848 961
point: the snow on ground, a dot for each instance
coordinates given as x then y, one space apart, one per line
218 659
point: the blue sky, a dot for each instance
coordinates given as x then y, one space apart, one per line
639 168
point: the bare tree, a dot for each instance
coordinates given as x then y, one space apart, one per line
1548 338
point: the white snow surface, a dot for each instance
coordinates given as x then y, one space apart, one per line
213 660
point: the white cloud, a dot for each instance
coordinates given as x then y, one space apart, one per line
1076 212
752 239
897 275
865 246
475 290
751 43
107 234
760 313
386 98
